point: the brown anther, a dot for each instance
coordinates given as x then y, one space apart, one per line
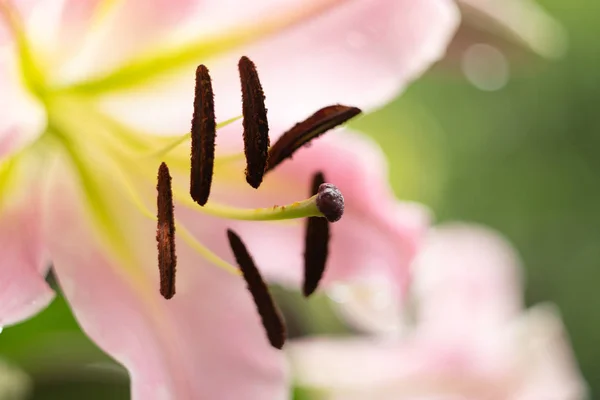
302 133
256 125
269 314
203 137
316 245
165 233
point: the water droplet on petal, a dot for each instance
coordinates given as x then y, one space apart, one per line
485 67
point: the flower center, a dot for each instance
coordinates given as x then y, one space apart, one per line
108 156
94 143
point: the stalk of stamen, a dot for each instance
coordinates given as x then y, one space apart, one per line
173 143
316 245
329 204
203 134
269 314
205 252
303 132
165 233
256 126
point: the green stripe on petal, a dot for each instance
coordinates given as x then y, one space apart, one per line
97 193
166 60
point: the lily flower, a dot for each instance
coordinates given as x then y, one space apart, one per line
470 338
86 85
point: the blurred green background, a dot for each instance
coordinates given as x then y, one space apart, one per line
524 159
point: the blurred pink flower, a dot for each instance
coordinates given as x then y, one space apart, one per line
470 338
522 22
85 84
494 35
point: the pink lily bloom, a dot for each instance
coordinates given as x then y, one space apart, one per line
86 84
471 338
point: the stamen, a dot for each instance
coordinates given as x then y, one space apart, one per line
302 133
203 137
165 233
316 245
256 126
269 314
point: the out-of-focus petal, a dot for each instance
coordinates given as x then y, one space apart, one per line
548 368
23 118
377 236
361 53
23 265
524 21
56 28
536 363
368 304
466 282
505 356
361 369
96 36
349 364
206 342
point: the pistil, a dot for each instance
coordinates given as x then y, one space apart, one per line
316 244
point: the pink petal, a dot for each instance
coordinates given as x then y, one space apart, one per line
467 283
516 357
206 342
138 26
360 52
23 118
23 265
83 38
536 363
55 28
548 367
332 362
369 304
362 369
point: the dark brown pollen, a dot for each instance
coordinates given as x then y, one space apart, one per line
165 233
269 314
316 244
203 137
256 125
303 132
